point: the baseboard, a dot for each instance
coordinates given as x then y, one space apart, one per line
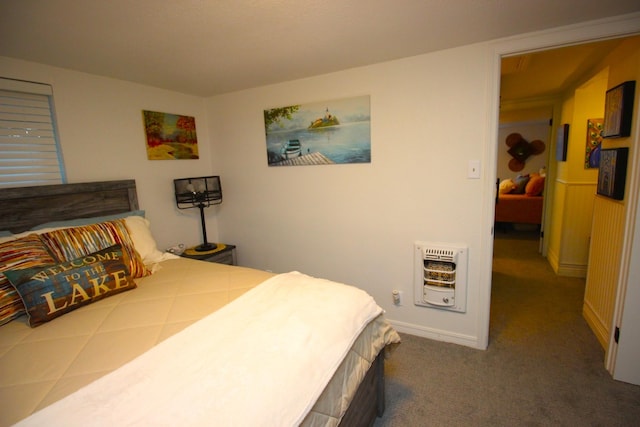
553 259
597 326
572 270
437 334
564 269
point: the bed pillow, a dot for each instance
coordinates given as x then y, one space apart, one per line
535 186
7 236
86 221
71 243
137 224
507 186
521 183
143 241
26 252
49 292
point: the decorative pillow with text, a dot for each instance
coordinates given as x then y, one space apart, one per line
49 292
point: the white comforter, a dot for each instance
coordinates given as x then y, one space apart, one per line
263 359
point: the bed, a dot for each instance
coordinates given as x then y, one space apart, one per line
171 341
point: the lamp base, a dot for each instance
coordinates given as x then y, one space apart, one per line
205 247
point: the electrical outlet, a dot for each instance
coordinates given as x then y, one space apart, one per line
177 249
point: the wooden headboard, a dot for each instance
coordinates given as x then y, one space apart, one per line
25 207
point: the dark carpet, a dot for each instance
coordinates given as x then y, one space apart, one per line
543 367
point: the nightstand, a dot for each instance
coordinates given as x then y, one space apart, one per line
223 254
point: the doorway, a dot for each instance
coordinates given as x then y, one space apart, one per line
594 52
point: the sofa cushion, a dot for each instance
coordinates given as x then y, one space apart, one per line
535 186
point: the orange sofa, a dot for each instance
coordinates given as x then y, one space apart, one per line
519 208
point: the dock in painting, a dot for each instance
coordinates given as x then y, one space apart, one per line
314 158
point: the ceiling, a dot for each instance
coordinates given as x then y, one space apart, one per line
549 73
210 47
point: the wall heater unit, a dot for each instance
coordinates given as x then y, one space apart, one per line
441 276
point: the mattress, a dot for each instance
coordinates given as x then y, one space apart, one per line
39 366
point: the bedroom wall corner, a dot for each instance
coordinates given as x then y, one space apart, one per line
102 138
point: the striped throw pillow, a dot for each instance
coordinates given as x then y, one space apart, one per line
26 252
71 243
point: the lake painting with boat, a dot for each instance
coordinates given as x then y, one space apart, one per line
336 131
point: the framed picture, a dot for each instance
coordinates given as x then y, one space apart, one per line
612 172
562 139
170 136
594 143
618 110
336 131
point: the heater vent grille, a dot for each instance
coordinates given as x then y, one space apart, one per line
436 254
440 276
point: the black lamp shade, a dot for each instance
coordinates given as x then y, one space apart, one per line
199 193
193 192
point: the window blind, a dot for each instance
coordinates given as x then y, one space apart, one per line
29 149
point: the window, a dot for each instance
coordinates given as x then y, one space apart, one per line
29 149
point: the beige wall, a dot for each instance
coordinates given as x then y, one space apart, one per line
358 223
351 223
532 124
102 138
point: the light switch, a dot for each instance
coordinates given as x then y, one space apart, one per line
474 169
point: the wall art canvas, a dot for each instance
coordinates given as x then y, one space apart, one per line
618 110
612 173
562 142
330 132
170 136
594 143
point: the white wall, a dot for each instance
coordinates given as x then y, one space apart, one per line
102 137
430 114
357 223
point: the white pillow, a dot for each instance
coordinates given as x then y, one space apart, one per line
145 244
7 237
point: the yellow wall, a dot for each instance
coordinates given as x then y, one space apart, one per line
572 207
607 248
566 116
589 104
575 186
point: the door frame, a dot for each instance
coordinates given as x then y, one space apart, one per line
590 31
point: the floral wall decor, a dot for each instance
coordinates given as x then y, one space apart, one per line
521 149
